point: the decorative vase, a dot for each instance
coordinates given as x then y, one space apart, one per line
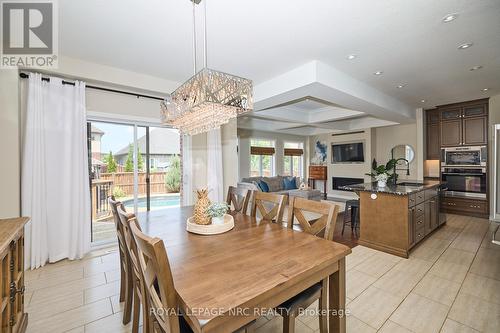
200 208
381 183
218 220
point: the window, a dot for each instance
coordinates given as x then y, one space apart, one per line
261 158
116 170
293 159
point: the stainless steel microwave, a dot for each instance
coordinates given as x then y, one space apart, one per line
464 156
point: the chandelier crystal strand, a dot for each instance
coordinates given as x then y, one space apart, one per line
208 99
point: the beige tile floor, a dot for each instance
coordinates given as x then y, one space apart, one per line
451 283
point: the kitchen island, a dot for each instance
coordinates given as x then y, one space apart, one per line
395 218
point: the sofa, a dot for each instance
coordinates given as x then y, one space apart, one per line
275 184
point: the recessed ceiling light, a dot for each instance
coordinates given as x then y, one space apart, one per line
475 68
423 101
402 85
378 73
486 89
449 18
351 56
464 46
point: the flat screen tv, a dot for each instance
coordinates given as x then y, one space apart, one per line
348 153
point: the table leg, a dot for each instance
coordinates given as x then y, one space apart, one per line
337 318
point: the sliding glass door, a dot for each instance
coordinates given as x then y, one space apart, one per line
139 165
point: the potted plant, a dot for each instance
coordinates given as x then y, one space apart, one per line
382 173
216 211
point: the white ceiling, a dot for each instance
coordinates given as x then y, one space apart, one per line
262 39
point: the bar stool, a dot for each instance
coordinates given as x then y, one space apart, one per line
353 207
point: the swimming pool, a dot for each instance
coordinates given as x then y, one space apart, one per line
161 201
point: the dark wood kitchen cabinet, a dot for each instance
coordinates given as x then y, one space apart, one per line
433 135
451 133
464 124
474 131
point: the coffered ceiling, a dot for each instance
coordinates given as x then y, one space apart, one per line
266 40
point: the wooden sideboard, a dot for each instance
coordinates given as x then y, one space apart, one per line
318 172
13 318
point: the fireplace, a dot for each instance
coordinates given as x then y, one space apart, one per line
343 181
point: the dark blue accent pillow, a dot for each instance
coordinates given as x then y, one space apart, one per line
289 183
263 186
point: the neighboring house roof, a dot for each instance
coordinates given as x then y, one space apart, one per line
162 141
94 129
97 162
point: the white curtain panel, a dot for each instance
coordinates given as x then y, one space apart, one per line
187 170
55 179
214 166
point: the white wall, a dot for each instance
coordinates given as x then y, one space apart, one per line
9 144
113 77
350 170
244 136
390 136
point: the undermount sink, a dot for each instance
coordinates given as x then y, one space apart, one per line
410 184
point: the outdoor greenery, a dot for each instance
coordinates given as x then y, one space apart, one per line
129 163
173 175
266 165
288 160
110 162
118 192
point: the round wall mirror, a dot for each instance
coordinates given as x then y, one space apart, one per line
403 151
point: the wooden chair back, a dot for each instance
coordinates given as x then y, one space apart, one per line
239 198
122 246
277 201
326 222
126 221
158 280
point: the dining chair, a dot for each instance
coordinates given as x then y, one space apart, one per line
126 285
263 201
239 198
139 299
324 217
158 283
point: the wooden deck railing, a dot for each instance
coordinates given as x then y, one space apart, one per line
101 190
125 181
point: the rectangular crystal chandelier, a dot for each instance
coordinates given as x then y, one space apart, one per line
206 101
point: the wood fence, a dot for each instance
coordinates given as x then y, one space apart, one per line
125 181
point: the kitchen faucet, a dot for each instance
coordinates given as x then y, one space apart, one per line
407 169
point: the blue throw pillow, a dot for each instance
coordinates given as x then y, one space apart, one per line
263 186
289 183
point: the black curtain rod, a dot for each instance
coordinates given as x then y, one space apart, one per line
25 76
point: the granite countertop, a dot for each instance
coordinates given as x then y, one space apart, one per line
393 189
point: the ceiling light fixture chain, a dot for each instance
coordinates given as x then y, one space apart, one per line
194 38
209 98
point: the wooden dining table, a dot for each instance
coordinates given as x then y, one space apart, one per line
225 281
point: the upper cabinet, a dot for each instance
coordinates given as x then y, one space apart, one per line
451 133
451 113
464 124
433 133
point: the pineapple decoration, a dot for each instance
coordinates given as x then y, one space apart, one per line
200 208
